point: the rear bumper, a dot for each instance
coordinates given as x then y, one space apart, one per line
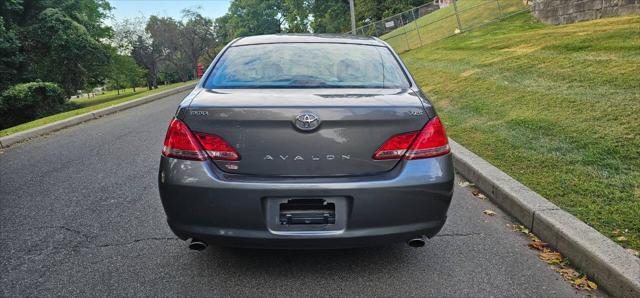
202 202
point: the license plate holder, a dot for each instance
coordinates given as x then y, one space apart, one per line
304 215
307 212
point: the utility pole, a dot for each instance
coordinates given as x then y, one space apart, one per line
353 17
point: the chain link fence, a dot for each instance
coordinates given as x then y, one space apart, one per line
439 19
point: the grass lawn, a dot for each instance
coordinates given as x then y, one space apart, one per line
110 98
442 23
556 107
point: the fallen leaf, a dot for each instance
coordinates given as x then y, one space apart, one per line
520 228
550 257
568 273
489 212
582 283
621 238
538 245
464 183
615 232
633 252
479 195
579 281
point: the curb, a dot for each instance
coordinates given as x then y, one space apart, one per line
17 137
617 271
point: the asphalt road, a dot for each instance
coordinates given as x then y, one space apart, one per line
80 215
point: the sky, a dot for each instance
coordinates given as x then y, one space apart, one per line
127 9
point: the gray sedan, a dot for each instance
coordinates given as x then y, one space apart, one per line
306 141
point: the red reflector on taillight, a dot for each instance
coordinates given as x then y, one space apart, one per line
216 147
432 141
429 142
181 143
396 146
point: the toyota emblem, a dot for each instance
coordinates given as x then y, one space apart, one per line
307 121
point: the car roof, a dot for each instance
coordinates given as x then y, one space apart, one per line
308 38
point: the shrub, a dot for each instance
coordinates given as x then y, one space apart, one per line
25 102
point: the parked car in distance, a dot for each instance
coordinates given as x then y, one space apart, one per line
306 141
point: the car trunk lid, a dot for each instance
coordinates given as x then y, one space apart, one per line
261 125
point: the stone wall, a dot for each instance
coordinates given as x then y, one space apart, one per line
571 11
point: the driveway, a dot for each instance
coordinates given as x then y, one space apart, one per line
80 215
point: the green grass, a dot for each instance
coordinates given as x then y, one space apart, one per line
442 23
85 105
556 107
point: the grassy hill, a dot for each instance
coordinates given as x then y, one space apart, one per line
442 23
556 107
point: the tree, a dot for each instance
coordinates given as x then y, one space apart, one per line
125 73
296 16
369 11
224 30
255 17
144 55
68 54
10 56
126 33
131 39
166 40
330 16
57 41
197 37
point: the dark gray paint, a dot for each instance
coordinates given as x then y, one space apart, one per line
202 202
220 202
80 216
259 124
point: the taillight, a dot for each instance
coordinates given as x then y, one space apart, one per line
429 142
432 141
181 143
396 146
216 147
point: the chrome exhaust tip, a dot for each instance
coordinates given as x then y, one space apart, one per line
416 242
198 245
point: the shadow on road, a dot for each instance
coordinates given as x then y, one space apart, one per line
319 261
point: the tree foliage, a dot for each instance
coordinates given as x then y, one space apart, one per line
330 16
25 102
125 72
254 17
168 49
57 41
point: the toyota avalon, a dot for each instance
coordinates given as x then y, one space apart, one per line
306 141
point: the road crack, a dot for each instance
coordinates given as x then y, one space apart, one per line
458 235
133 242
84 241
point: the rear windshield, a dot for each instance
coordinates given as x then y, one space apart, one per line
307 65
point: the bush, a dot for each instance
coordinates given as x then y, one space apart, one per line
25 102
